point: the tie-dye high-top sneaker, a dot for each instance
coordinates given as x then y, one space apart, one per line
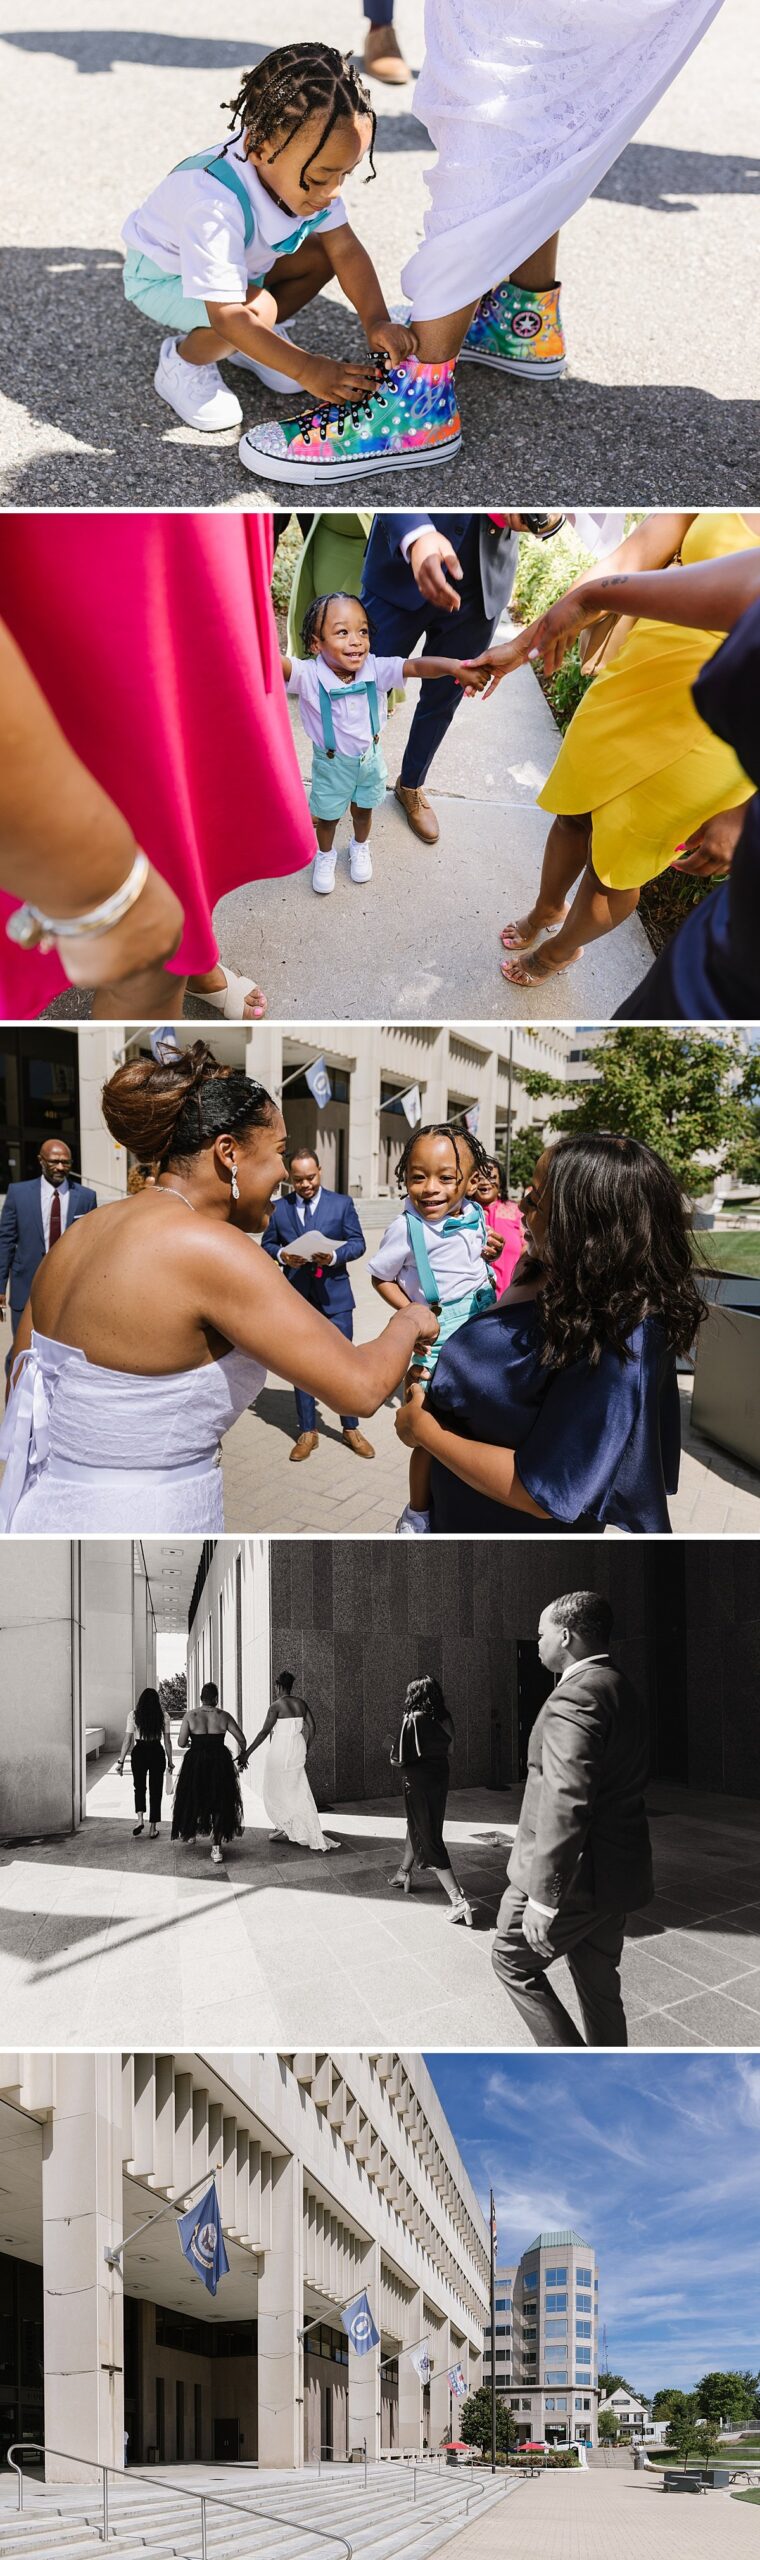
411 417
519 332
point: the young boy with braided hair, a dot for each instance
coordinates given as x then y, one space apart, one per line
244 234
436 1254
342 691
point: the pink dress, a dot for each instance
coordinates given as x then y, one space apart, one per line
153 639
503 1217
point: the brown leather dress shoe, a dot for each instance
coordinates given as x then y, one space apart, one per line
383 57
418 813
361 1448
303 1446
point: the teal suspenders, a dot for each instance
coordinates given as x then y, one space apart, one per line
220 167
424 1267
349 693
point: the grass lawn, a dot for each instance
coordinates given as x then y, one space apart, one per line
747 2497
739 1251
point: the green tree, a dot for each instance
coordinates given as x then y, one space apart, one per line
688 2434
475 2421
608 2427
173 1693
609 2382
727 2398
667 2403
686 1094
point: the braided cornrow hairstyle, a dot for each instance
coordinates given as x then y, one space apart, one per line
166 1112
314 618
296 82
457 1132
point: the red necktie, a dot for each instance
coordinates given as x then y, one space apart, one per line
55 1219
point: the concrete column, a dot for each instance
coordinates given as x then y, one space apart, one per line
83 2298
363 1140
364 2371
37 1660
109 1660
410 2428
280 2315
439 2385
103 1164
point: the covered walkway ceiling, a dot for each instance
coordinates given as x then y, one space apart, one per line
171 1565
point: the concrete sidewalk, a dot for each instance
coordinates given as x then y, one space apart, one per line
421 940
281 1946
336 1494
658 407
609 2515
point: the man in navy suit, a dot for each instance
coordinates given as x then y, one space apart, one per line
450 576
333 1214
34 1216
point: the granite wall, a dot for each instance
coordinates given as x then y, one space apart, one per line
722 1578
356 1620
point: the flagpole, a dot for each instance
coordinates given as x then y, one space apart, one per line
493 2333
113 2257
402 2351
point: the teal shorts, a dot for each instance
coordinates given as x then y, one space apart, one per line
451 1317
337 780
160 297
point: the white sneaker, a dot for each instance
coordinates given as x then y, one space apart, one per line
273 381
323 873
216 1857
413 1524
360 860
195 391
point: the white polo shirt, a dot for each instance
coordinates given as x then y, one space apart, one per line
193 226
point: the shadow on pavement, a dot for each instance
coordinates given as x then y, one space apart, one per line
652 175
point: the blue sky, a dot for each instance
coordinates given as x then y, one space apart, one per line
654 2159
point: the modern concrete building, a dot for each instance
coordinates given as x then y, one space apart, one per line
335 2173
546 2340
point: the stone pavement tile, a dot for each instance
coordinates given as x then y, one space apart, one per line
664 2028
707 1955
607 2515
718 2018
648 1983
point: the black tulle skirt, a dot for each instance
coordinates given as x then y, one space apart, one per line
426 1786
208 1797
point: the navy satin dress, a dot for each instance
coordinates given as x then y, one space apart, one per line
596 1447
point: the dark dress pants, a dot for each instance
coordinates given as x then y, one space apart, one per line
148 1765
396 632
592 1943
305 1405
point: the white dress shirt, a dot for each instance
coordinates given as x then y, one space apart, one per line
47 1195
577 1664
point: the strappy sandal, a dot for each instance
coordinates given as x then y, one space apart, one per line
402 1879
525 943
230 1000
461 1910
525 980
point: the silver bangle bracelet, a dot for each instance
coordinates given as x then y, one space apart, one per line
39 932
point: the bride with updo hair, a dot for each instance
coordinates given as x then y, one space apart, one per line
151 1324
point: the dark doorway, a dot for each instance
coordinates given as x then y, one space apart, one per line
179 2421
39 1098
226 2440
197 2422
327 2422
160 2418
533 1686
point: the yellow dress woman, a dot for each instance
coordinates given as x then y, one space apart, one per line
637 772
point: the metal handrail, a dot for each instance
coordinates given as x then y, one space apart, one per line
204 2497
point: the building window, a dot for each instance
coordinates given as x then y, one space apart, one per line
583 2355
556 2328
583 2328
556 2275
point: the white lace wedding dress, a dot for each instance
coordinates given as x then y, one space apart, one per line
288 1798
88 1450
528 103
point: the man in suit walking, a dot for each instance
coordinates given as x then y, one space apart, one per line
450 576
333 1214
35 1214
582 1857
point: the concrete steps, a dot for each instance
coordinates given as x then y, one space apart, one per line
382 2522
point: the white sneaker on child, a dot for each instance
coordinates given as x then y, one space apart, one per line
413 1524
360 860
266 373
323 872
195 391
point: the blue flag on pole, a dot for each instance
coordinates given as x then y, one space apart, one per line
359 2325
318 1081
202 2240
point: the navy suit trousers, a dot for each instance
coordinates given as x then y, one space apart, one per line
395 633
305 1405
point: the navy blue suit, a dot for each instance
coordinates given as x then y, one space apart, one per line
22 1236
335 1216
487 556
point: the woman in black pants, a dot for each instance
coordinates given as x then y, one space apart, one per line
149 1742
422 1753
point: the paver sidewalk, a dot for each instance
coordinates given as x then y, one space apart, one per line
609 2515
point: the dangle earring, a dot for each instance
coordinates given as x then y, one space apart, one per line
235 1186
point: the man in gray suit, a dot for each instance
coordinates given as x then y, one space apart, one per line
582 1857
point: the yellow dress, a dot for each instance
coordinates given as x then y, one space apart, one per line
636 754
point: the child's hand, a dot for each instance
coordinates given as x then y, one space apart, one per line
491 1248
473 678
326 380
408 1416
393 340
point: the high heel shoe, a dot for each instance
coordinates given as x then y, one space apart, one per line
402 1878
461 1910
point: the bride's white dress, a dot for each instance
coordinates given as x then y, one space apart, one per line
88 1450
287 1794
528 103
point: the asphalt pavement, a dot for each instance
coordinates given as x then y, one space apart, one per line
659 270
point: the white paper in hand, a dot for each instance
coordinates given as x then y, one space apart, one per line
312 1247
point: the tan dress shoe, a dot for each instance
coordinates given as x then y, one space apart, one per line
419 814
355 1440
383 57
303 1446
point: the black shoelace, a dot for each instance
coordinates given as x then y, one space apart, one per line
338 412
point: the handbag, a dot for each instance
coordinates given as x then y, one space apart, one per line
601 640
